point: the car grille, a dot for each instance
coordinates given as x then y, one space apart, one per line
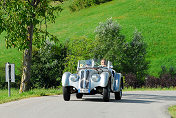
84 78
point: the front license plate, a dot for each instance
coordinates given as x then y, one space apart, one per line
84 91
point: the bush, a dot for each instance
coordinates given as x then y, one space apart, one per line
134 57
171 71
167 81
47 65
152 82
81 4
167 77
131 81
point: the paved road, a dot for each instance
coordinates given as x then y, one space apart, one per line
135 104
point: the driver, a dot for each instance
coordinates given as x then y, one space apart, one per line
103 63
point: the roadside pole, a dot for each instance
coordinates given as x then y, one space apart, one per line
9 91
10 75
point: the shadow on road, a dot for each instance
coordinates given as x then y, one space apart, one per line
114 101
151 97
131 98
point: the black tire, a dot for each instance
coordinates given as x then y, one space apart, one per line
66 93
79 95
106 93
118 95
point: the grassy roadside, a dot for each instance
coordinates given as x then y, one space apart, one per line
32 93
46 92
150 89
172 111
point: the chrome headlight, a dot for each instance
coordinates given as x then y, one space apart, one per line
74 77
96 77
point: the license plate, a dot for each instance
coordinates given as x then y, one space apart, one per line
84 91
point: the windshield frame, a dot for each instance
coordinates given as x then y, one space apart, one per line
95 64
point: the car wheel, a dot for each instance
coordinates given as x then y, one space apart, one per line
79 95
118 95
66 93
106 93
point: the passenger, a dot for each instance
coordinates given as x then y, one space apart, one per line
103 63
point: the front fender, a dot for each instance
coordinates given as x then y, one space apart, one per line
118 82
104 79
65 79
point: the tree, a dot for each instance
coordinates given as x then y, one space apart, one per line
22 20
134 57
110 42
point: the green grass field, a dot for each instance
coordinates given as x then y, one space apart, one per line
155 19
172 111
32 93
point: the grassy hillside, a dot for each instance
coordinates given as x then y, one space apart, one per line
154 18
11 55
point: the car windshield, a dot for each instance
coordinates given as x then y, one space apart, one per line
89 63
85 63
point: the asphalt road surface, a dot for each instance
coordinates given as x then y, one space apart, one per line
134 104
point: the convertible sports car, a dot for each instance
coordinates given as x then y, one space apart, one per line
92 78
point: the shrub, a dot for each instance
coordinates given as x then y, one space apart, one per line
174 82
167 77
81 4
131 80
166 81
134 57
152 82
47 65
171 71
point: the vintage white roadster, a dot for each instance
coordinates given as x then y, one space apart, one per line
92 78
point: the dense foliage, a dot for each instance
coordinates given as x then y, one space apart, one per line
134 57
131 80
80 48
48 65
81 4
152 82
4 84
18 15
109 42
164 81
